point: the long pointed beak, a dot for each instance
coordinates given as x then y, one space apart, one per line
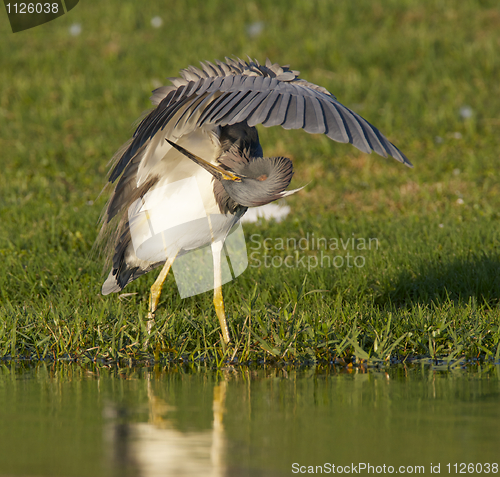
216 171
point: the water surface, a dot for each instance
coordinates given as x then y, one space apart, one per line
68 420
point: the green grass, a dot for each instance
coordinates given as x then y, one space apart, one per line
430 289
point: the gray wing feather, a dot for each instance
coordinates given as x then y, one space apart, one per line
227 83
206 100
238 83
357 137
210 69
314 121
292 120
300 114
237 91
283 108
265 108
272 110
194 85
230 105
335 123
257 83
214 108
245 108
215 86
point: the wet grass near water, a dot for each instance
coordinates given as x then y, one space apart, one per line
426 286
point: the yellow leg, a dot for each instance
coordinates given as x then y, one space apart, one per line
218 301
154 297
221 314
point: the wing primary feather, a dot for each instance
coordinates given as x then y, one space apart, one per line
209 69
215 86
377 143
204 86
291 114
358 137
260 115
161 120
231 103
213 109
392 149
238 81
192 87
257 83
155 121
246 106
199 107
193 107
184 117
227 83
300 115
224 67
381 145
283 107
233 99
314 120
336 127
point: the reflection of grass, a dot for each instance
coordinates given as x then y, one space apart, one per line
431 288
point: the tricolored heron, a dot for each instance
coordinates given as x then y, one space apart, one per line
202 135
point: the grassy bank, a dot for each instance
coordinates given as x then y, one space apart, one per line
425 73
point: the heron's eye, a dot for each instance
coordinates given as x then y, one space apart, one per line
263 177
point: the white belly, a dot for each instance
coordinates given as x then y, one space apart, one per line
179 213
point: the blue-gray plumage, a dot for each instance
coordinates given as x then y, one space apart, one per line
202 131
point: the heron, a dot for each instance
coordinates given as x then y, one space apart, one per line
197 158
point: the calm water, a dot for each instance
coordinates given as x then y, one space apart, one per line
66 420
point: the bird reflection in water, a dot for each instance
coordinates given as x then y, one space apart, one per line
158 448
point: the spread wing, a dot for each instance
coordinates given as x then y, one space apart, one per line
236 91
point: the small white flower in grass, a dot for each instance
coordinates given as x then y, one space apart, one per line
441 226
460 201
75 29
466 112
255 29
156 22
457 135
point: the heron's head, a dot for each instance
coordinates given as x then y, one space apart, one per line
249 181
260 180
